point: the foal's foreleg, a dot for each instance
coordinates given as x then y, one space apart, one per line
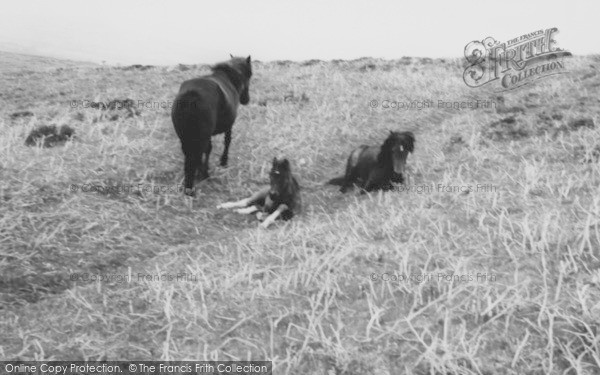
271 218
225 156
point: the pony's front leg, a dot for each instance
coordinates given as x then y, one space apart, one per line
225 155
260 216
369 185
271 218
345 187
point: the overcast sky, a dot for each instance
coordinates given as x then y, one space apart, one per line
170 32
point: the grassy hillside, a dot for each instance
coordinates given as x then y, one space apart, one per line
355 285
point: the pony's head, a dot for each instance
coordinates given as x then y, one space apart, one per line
280 171
244 66
239 71
399 145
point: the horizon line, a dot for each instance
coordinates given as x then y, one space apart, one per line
65 57
118 64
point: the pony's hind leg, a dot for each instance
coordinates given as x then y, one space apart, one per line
227 142
350 176
203 166
241 203
192 153
192 161
204 153
257 198
247 210
348 179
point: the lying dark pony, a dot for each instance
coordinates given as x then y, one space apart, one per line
281 199
376 167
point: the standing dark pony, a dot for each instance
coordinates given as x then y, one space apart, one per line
207 106
376 167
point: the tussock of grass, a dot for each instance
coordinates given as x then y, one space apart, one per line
308 294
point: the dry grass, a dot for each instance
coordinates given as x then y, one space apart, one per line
308 294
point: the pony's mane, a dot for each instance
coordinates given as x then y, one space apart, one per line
242 65
385 153
234 75
236 69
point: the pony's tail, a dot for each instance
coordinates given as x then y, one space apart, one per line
336 181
